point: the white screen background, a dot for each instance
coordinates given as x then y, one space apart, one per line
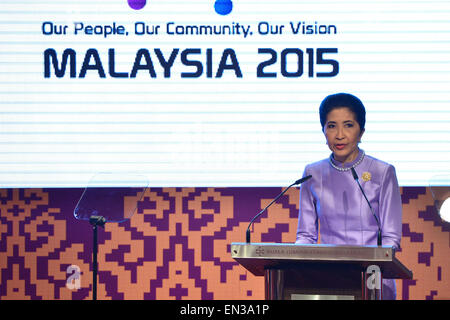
228 131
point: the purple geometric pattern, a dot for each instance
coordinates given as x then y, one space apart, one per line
177 244
425 247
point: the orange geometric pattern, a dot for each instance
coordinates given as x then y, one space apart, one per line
177 244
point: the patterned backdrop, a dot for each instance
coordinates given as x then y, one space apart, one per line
177 244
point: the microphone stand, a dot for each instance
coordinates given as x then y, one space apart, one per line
278 197
355 176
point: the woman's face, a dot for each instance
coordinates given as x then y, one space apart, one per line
343 133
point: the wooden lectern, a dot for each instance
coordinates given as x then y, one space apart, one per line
298 271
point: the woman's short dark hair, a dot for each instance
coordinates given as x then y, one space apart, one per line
339 100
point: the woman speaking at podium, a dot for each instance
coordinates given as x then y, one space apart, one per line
355 197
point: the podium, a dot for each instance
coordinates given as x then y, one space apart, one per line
333 272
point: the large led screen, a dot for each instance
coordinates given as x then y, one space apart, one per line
216 93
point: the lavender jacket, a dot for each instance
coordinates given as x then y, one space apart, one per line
333 198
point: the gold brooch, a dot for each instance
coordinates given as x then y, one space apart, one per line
366 176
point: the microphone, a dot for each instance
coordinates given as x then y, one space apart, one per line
299 181
355 176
